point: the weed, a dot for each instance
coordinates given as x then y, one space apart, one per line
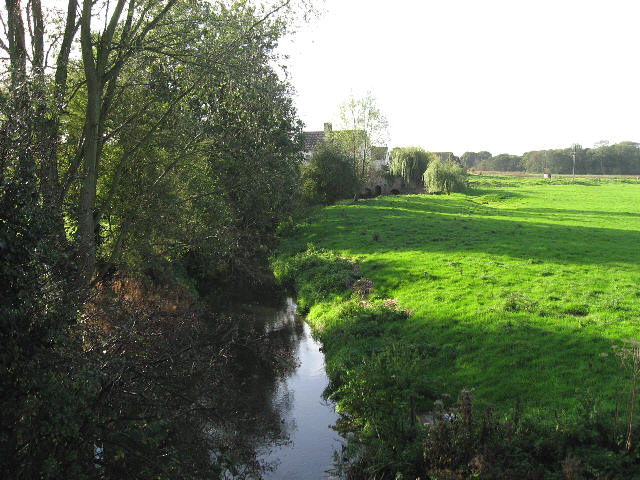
429 276
577 310
629 356
515 302
571 467
363 286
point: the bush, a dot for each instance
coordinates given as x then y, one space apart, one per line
445 177
465 442
328 176
42 408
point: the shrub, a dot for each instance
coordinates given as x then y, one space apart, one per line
328 176
502 445
43 408
444 177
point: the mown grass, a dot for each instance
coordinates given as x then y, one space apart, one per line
517 289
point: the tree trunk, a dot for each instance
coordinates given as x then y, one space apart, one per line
86 254
20 122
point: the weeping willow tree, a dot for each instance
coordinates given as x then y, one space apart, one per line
445 176
410 163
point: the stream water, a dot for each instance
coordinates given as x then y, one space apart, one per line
307 418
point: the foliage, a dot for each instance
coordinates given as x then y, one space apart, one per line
363 125
328 176
160 136
619 159
410 163
223 173
374 395
501 163
465 442
471 159
195 132
37 308
444 177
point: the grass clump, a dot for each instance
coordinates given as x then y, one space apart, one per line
316 274
375 382
465 442
515 302
577 309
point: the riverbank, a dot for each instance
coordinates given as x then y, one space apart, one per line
516 291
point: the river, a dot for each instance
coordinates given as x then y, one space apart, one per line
307 418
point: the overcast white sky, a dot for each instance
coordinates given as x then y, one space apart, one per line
506 76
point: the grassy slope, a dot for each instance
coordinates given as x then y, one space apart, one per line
517 287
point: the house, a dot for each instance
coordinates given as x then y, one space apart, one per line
378 155
349 139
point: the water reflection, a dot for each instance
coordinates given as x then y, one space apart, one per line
305 417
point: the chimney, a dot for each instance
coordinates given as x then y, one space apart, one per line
327 128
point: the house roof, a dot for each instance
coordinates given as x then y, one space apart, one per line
312 139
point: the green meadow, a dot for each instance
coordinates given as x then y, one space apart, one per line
518 289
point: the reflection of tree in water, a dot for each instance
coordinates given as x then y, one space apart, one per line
256 400
184 394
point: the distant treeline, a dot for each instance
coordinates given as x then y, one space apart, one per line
619 159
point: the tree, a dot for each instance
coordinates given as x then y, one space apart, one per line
77 157
410 163
218 179
471 159
328 176
502 163
445 176
363 125
170 133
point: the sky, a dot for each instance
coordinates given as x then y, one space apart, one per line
507 76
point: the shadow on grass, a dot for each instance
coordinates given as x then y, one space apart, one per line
461 225
506 355
559 212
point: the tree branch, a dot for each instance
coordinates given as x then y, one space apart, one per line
119 168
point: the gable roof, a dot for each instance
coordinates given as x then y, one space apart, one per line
312 139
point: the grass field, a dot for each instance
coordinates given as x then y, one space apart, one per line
518 288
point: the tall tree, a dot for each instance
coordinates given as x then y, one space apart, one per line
169 132
471 159
78 156
362 126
